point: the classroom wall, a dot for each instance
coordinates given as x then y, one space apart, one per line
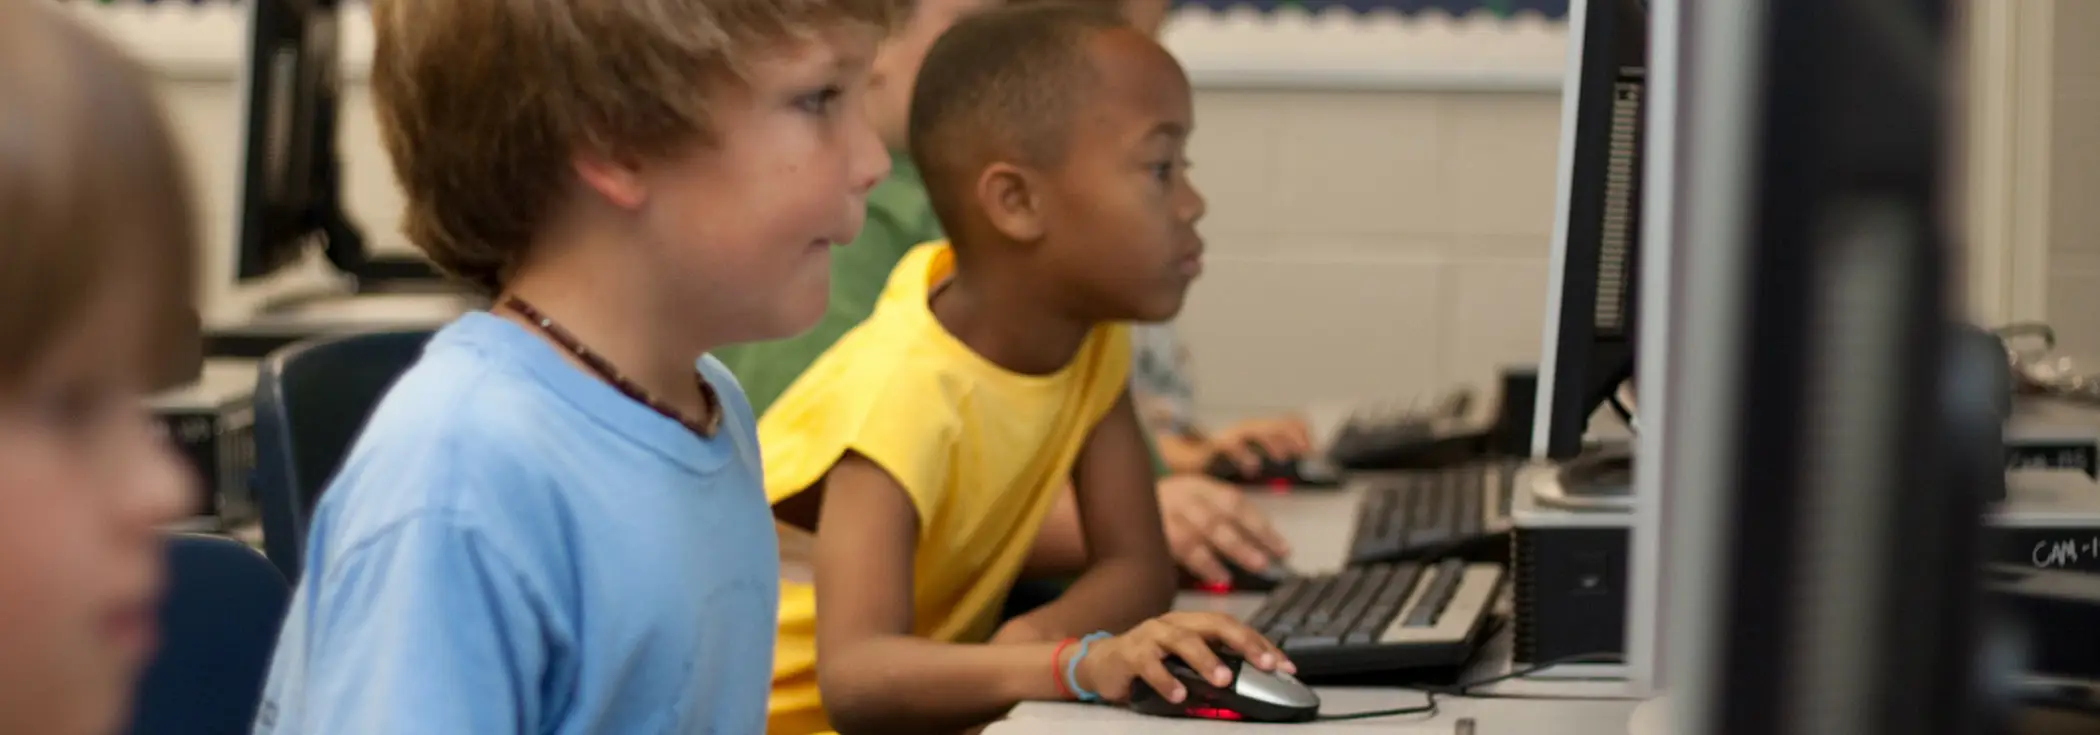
1369 244
2074 179
1381 189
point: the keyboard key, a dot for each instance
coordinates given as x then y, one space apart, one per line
1364 616
1298 643
1403 580
1353 608
1470 512
1428 512
1278 601
1442 588
1332 598
1431 505
1429 538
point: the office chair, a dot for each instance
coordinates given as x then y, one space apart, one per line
218 626
311 400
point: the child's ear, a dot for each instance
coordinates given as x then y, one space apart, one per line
617 181
1012 200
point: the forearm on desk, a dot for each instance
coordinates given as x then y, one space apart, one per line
1060 547
1113 595
1129 575
905 684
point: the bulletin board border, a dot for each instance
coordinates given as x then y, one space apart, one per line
1236 46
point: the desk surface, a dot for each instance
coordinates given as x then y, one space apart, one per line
1490 716
1309 521
1316 525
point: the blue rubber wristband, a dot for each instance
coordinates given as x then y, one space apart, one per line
1072 667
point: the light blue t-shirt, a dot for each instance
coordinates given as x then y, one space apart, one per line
514 546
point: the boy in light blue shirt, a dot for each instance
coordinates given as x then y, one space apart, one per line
502 549
554 522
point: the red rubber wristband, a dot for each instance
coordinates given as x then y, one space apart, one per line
1057 669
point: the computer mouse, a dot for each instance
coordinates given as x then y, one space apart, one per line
1253 696
1274 472
1243 580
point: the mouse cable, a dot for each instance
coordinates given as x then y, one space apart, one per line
1618 406
1427 707
1621 405
1465 689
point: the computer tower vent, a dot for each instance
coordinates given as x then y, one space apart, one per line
1570 592
1523 597
1621 216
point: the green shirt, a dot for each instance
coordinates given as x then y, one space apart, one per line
899 217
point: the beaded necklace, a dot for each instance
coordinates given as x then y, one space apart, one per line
705 428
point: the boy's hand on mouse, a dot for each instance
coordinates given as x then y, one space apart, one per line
1206 518
1113 664
1284 437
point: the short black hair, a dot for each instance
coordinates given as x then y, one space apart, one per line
1005 82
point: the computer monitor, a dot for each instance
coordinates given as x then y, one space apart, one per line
1591 294
1838 439
291 195
289 199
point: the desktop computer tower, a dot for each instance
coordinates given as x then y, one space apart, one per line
1569 562
2049 521
211 423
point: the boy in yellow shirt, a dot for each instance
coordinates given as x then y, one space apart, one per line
1207 521
927 445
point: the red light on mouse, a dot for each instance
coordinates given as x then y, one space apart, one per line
1213 713
1216 588
1279 485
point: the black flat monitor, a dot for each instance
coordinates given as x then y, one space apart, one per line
1591 294
291 196
1847 437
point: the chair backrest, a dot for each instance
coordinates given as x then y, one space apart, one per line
311 400
218 626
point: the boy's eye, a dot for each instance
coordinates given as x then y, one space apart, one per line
819 102
1164 170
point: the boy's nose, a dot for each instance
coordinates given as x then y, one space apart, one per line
1194 206
870 159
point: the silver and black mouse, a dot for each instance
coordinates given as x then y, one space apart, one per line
1253 696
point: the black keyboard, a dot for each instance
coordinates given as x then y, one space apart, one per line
1399 438
1386 617
1432 513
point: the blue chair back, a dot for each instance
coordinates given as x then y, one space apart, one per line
218 625
311 400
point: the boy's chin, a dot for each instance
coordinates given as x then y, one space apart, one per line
1161 308
798 316
800 302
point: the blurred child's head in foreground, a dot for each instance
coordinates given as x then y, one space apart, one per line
96 259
